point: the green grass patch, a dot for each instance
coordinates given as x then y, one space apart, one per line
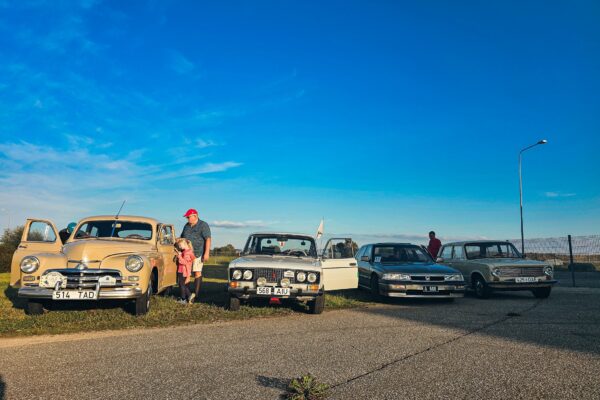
74 317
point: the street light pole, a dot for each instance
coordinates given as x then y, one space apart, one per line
543 141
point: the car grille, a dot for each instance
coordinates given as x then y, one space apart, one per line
87 278
520 271
432 278
274 275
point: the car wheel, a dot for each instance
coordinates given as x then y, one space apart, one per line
375 293
542 293
317 305
142 303
482 290
34 307
234 303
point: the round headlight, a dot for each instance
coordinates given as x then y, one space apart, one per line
247 274
301 276
285 282
30 264
261 281
134 263
237 274
496 271
312 277
548 270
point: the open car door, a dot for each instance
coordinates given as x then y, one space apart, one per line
39 236
339 266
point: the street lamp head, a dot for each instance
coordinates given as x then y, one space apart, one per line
543 141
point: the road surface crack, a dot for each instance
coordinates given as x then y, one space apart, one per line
436 346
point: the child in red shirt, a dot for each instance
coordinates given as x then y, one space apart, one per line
185 259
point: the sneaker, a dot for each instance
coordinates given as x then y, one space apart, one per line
192 297
182 301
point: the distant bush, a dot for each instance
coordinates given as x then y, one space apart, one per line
8 244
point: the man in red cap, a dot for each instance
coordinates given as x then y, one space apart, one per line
197 232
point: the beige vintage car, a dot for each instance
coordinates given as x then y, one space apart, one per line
106 257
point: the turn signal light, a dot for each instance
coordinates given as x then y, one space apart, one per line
29 278
233 284
313 288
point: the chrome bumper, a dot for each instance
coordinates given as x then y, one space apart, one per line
520 286
444 291
34 292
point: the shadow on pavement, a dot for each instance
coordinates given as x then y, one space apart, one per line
2 388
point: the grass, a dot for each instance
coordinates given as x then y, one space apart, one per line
164 312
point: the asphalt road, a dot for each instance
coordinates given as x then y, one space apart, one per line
511 346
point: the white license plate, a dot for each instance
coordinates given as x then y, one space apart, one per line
263 290
526 279
430 289
74 295
279 291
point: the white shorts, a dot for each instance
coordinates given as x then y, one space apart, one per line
197 266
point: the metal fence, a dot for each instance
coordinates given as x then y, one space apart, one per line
576 259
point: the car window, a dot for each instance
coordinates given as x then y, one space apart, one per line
115 229
40 231
446 253
167 237
458 253
491 250
340 248
360 253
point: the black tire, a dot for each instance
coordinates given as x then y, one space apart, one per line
481 288
34 307
141 305
317 305
375 293
542 293
234 303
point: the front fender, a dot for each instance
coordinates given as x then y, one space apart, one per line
117 262
47 261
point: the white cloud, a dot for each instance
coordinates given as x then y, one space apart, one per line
558 194
202 143
180 64
239 224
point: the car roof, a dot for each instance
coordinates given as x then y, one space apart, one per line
122 218
462 243
390 243
282 233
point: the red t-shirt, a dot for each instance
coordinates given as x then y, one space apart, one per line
434 247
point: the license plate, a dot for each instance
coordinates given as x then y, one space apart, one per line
74 295
430 289
263 290
279 291
526 279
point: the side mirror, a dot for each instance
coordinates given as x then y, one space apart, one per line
439 259
364 258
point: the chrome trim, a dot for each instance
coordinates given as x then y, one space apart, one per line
104 293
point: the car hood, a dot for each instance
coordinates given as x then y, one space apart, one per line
98 249
282 262
418 268
509 262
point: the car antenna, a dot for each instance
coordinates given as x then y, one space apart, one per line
116 218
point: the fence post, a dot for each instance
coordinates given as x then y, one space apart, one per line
571 266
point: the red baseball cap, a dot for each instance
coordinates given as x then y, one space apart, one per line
191 211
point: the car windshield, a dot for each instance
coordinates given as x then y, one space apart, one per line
114 229
491 250
400 253
281 245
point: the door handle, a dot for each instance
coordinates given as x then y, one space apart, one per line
22 246
353 264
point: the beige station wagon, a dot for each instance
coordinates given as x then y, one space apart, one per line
105 257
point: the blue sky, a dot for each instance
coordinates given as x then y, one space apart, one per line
387 118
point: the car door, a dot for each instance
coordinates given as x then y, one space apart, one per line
166 247
39 236
339 265
459 262
364 266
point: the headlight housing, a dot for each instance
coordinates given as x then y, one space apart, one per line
312 277
301 276
285 282
134 263
262 281
247 275
548 270
496 271
237 274
454 277
30 264
395 277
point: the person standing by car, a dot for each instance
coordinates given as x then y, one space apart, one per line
197 232
434 245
